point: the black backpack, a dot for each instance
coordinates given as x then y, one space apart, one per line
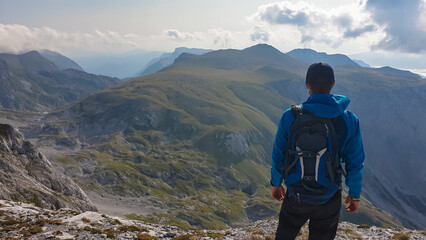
312 157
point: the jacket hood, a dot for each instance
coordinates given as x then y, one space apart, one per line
326 105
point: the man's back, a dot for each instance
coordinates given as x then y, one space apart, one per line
322 104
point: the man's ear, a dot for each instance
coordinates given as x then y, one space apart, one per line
307 85
332 85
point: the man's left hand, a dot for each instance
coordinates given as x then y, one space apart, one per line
278 193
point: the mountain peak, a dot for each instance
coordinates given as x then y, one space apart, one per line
262 48
31 61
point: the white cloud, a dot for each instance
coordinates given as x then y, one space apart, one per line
222 38
403 22
258 33
177 35
316 26
18 38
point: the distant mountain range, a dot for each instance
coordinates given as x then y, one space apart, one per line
398 72
197 136
311 56
167 59
120 65
31 82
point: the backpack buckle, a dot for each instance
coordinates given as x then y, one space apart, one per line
308 178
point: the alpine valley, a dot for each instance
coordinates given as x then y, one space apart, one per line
190 145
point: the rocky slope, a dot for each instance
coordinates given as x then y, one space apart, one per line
31 82
26 175
20 220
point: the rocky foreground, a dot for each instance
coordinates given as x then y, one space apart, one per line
20 220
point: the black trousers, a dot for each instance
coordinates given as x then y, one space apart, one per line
323 219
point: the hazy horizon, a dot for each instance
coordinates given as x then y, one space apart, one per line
381 33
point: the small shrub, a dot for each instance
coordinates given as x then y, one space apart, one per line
216 235
144 236
254 237
2 213
86 220
57 222
270 237
349 231
116 222
401 236
43 222
364 226
185 237
8 228
35 229
95 224
131 228
11 221
110 233
96 231
26 233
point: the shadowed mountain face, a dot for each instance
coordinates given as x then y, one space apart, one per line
202 130
60 61
31 82
311 56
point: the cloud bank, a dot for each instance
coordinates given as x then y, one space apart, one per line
397 25
316 24
18 38
404 23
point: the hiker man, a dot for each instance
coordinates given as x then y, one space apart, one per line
311 142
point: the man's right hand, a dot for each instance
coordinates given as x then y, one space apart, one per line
353 204
278 193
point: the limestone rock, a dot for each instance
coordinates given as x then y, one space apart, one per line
26 175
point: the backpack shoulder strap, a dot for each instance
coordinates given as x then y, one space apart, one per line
296 110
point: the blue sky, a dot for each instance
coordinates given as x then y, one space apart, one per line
378 29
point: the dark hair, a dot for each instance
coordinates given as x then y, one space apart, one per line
320 77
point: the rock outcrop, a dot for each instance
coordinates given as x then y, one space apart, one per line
26 175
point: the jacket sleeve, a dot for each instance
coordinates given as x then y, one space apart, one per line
354 156
279 149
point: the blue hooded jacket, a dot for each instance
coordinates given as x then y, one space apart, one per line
350 142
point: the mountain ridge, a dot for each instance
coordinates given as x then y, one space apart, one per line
31 82
312 56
